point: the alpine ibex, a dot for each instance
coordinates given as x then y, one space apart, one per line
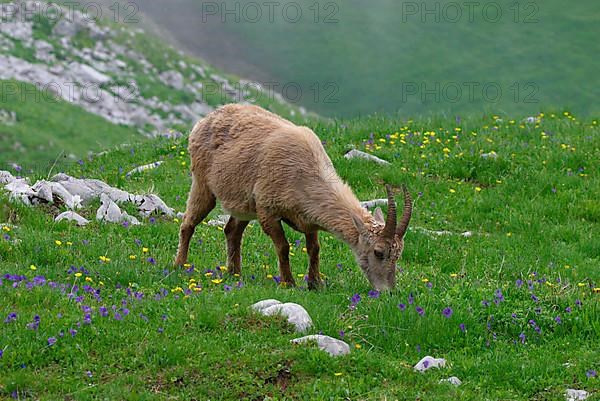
261 166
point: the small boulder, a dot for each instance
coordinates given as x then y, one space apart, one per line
262 305
357 154
455 381
576 395
429 362
72 216
294 313
174 79
332 346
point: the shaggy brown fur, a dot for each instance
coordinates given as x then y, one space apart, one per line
260 166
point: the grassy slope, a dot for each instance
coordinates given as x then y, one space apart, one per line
372 50
535 218
48 129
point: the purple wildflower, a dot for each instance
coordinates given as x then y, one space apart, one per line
402 307
462 327
535 299
227 288
420 310
72 332
151 261
578 303
355 299
519 283
11 317
374 294
522 338
447 312
1 353
342 333
411 298
568 309
485 303
498 295
51 341
590 373
558 320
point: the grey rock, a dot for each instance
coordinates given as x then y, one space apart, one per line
19 30
262 305
576 395
145 167
6 177
375 202
110 212
491 155
43 51
294 313
8 117
72 216
86 74
173 79
357 154
429 362
455 381
332 346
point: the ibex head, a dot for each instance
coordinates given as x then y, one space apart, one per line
380 242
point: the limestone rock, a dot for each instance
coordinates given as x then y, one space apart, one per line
294 313
262 305
576 395
145 168
455 381
357 154
72 216
429 362
332 346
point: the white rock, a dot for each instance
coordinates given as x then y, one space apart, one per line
72 216
110 212
452 380
6 177
429 362
220 221
295 314
375 202
491 155
173 79
86 74
357 154
145 167
8 117
332 346
576 395
262 305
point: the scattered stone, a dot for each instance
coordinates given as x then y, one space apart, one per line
455 381
172 135
332 346
429 362
172 78
491 155
8 117
576 395
295 314
43 51
72 216
19 30
531 120
145 168
435 233
110 212
6 177
85 74
357 154
220 221
262 305
375 202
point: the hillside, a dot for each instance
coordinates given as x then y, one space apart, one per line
512 306
353 57
75 84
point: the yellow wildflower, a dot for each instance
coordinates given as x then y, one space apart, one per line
217 281
32 267
78 274
132 257
58 243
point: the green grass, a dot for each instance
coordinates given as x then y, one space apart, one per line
534 218
49 129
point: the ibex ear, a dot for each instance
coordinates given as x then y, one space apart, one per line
359 224
378 214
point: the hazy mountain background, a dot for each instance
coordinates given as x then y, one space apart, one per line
368 56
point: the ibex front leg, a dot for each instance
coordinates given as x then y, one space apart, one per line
272 227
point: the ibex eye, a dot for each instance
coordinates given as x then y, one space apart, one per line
378 254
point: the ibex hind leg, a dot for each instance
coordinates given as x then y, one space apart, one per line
272 227
200 202
234 230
